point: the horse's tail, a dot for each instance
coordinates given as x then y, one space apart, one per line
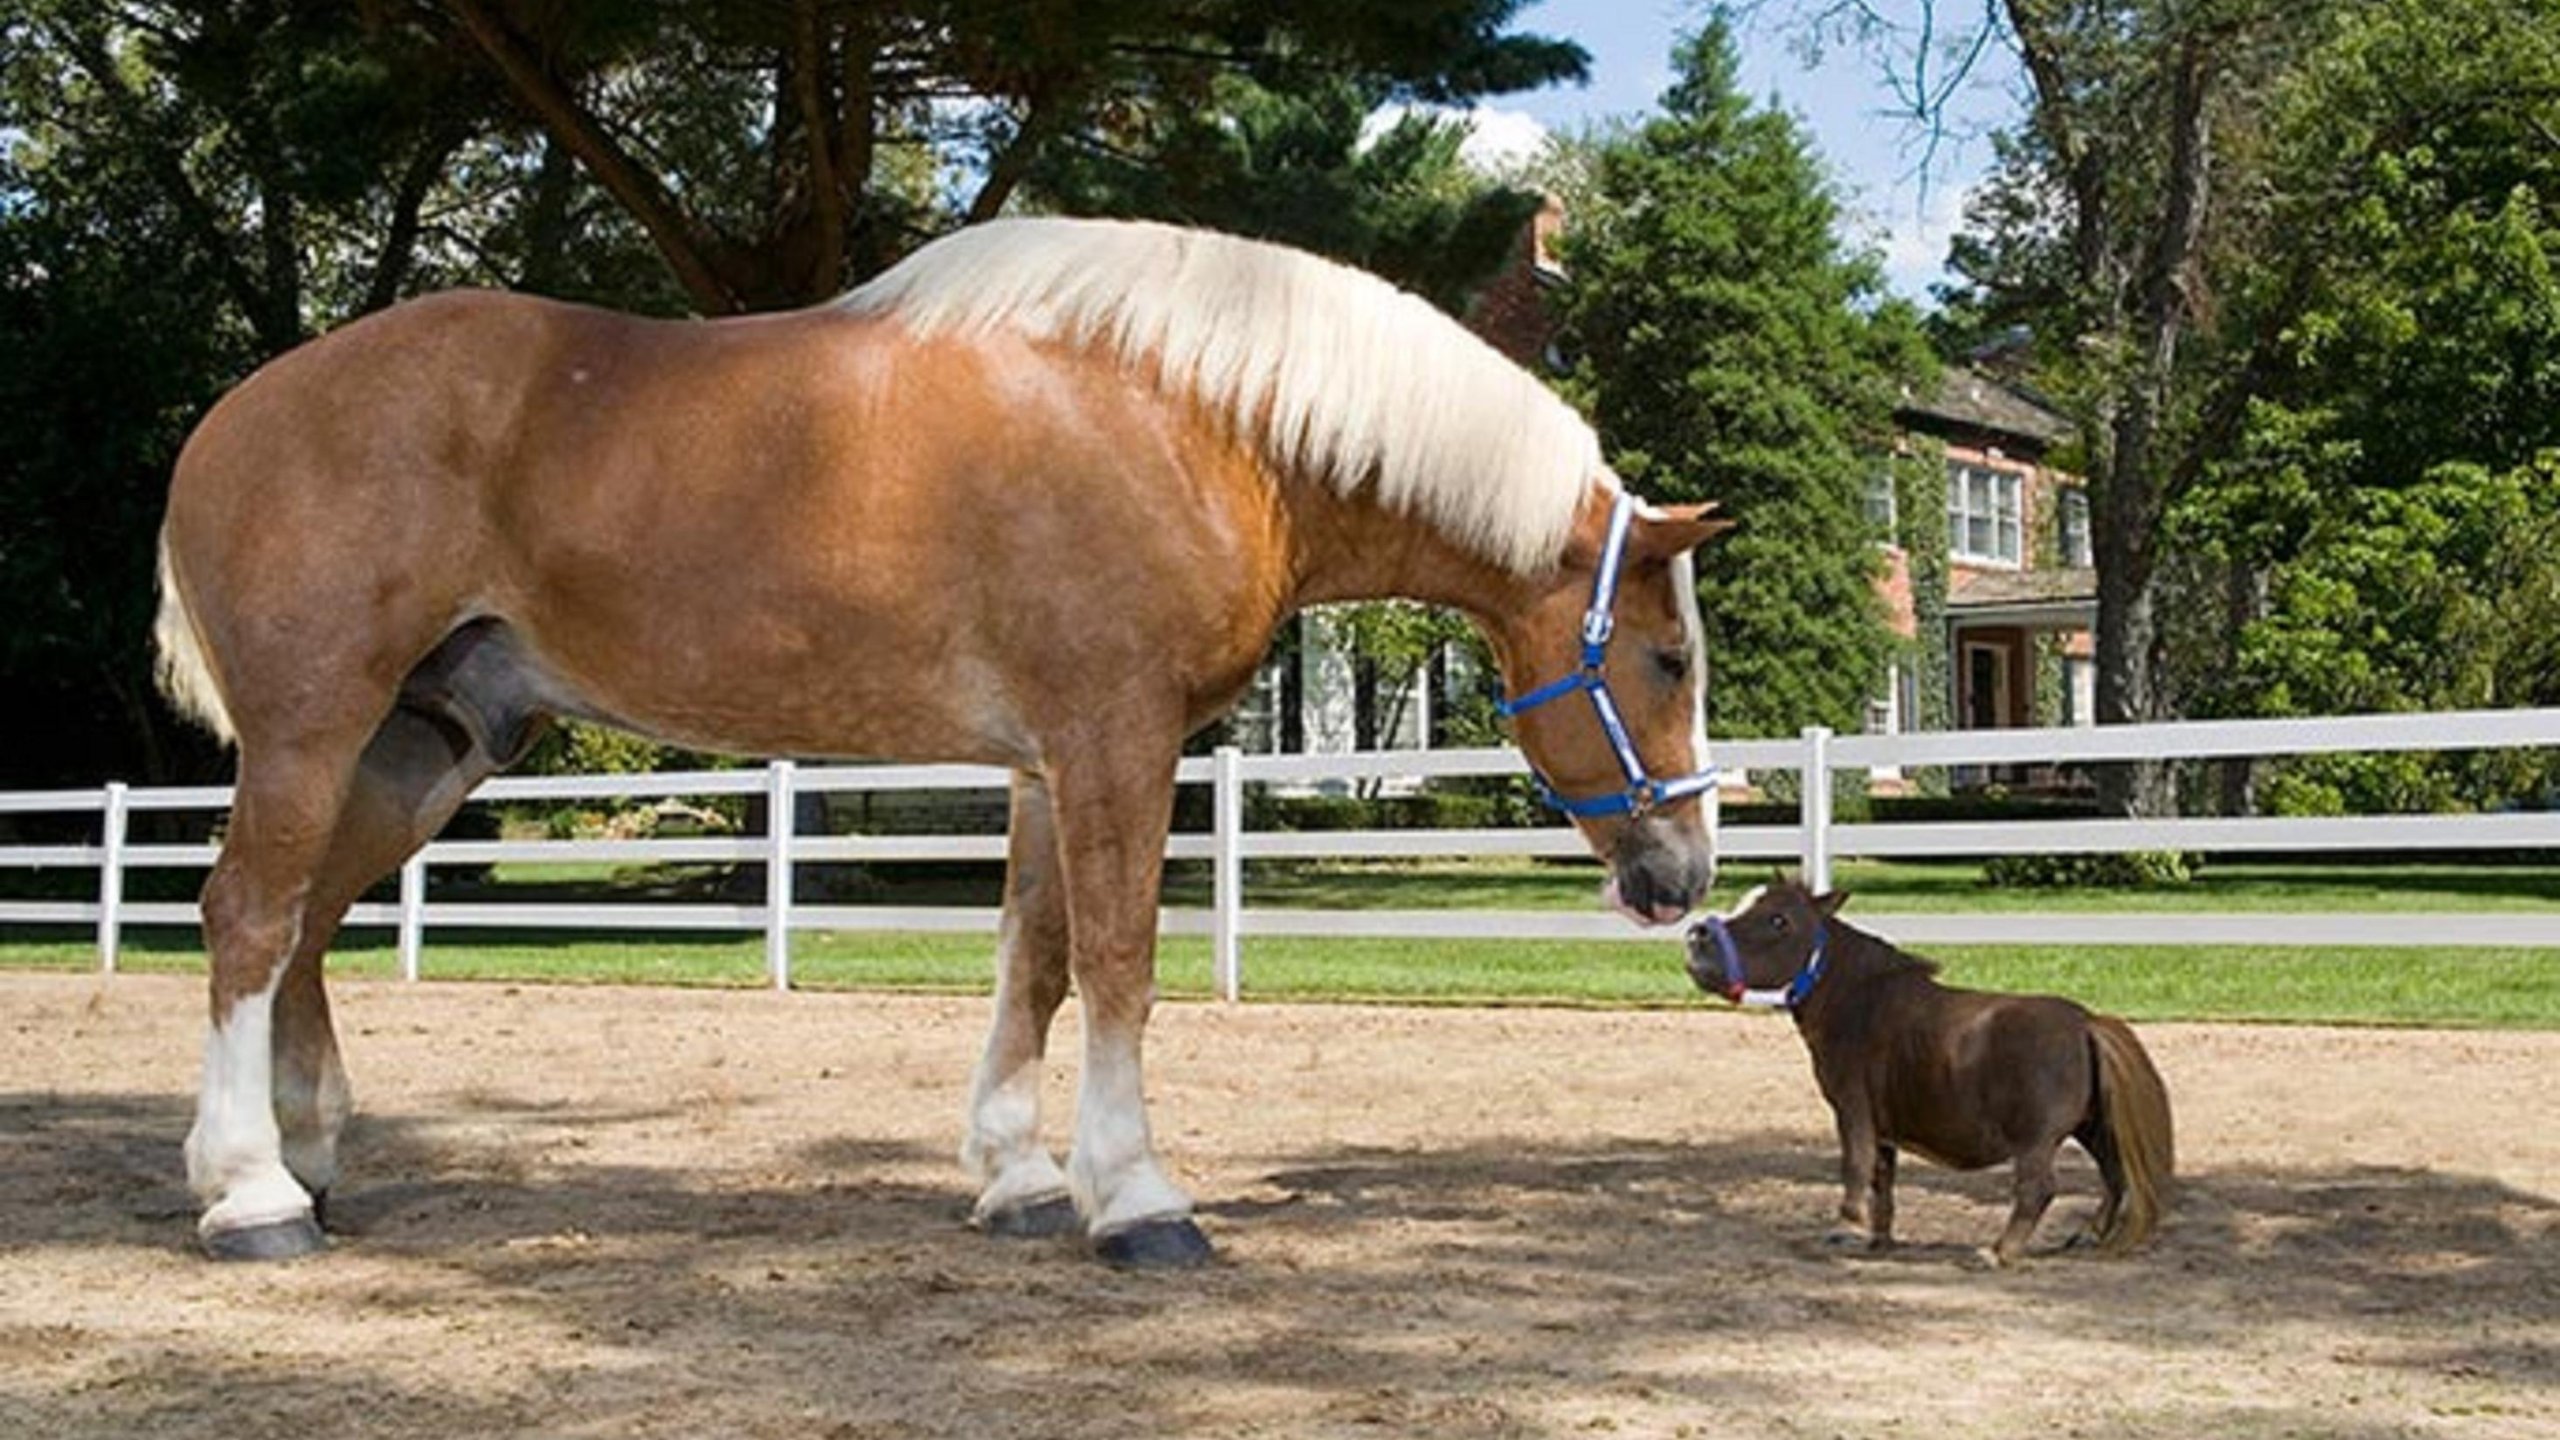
185 677
2134 1107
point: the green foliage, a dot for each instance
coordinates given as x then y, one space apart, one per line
1290 164
1729 350
2396 482
2135 870
1920 500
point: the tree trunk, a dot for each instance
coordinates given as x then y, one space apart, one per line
2134 483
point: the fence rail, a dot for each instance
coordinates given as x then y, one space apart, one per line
1812 844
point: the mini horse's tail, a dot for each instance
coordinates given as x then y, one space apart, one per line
2134 1107
185 678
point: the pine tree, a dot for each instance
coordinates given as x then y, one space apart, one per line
1728 349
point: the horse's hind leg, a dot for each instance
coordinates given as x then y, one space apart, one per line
415 772
2100 1142
314 822
2031 1192
283 816
1023 1192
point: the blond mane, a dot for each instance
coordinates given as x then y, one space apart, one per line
1341 377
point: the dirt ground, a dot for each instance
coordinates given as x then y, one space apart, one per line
601 1212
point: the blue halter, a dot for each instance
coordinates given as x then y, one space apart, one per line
1786 998
1643 792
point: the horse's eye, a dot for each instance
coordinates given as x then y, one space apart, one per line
1778 924
1674 664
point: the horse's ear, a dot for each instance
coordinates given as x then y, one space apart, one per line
1669 530
1830 904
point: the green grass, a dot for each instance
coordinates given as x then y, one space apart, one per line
2450 987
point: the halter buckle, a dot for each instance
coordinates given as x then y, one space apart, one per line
1597 627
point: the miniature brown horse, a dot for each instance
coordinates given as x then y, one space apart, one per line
1960 1077
1037 497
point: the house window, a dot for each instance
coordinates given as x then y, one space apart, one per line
2073 507
1983 513
1881 514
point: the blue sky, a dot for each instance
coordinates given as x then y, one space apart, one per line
1841 101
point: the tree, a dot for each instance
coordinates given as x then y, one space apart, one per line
2135 177
1729 350
2280 253
1297 162
749 138
186 187
2390 503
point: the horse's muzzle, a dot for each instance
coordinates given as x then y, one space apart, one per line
1660 870
1712 967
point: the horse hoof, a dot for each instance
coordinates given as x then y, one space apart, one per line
1037 1220
275 1240
1155 1245
1857 1242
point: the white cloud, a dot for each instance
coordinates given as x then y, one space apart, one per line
1912 235
1499 142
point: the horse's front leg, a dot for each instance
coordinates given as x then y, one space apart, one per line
1880 1223
1022 1191
1113 810
1859 1161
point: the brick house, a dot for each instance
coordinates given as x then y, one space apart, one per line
2021 602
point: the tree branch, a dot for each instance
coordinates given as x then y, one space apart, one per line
408 199
683 243
1042 115
818 137
161 160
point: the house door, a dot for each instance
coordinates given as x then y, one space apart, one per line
1986 686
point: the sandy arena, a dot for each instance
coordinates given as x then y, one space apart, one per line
600 1212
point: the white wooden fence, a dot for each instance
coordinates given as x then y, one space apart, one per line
1812 845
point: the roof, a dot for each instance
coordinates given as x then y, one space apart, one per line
1973 588
2060 598
1967 397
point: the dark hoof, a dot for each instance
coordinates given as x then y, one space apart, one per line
1036 1221
275 1240
1155 1245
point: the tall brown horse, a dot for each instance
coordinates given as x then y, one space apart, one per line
1964 1078
1038 497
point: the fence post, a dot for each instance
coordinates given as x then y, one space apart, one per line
782 822
1815 856
111 828
1226 879
413 913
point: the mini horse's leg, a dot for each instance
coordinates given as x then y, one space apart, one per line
1114 806
2031 1190
1859 1159
1888 1159
1023 1192
2095 1138
284 813
414 774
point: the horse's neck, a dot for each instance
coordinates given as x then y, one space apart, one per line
1352 549
1854 962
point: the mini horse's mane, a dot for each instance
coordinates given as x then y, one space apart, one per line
1340 376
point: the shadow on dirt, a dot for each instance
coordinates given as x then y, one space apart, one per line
1431 1291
